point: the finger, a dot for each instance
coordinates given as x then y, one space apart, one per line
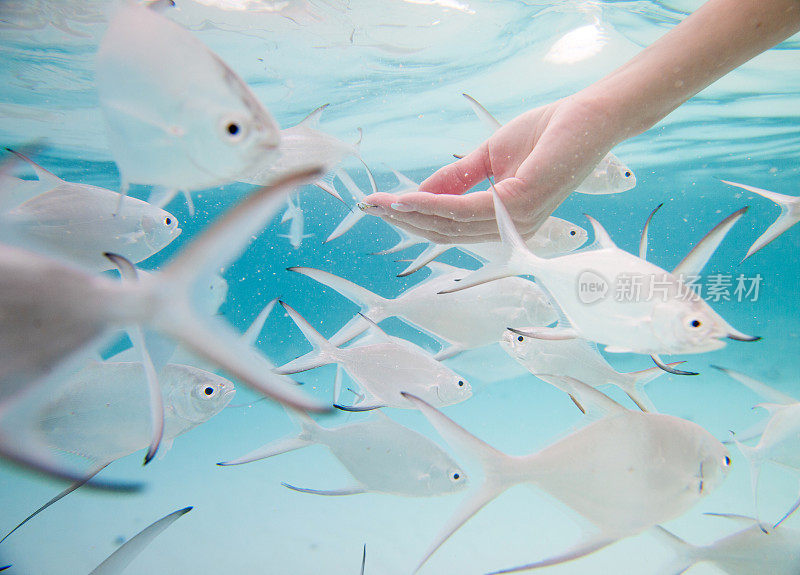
460 176
443 225
470 207
438 238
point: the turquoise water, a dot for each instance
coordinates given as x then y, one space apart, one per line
397 69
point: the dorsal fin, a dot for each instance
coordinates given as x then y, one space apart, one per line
43 175
587 394
404 180
375 330
483 114
695 260
312 120
645 230
601 237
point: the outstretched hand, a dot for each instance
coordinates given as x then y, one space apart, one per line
536 160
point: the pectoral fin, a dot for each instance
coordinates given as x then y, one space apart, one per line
355 490
580 550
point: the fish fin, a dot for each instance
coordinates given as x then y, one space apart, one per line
351 330
483 114
670 367
762 389
743 520
601 238
795 506
358 408
154 391
376 332
589 396
404 181
470 505
136 335
488 273
251 334
634 382
645 230
425 258
122 557
364 559
451 350
557 333
459 438
790 215
576 552
271 449
326 184
694 262
4 567
159 5
684 552
189 202
67 491
347 223
161 196
323 353
337 384
370 302
406 241
355 490
352 187
617 349
754 459
228 236
312 120
44 176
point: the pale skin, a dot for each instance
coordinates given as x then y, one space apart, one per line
539 157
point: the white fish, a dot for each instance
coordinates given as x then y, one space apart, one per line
294 214
177 116
749 551
382 369
664 316
462 320
381 455
50 313
101 413
304 144
624 473
80 222
555 237
790 215
578 359
122 557
610 176
780 440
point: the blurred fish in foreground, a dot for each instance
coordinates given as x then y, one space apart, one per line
53 313
624 473
177 116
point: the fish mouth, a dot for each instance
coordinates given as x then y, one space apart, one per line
739 336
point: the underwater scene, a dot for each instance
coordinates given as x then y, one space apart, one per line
213 315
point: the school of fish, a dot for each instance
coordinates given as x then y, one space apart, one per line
180 120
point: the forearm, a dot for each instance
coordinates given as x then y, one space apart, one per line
718 37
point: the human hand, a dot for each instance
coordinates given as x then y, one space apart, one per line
536 159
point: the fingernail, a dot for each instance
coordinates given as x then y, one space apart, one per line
371 209
401 207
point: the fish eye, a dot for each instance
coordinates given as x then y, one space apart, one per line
520 338
455 475
209 391
460 383
168 221
233 130
727 461
573 233
627 174
695 323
